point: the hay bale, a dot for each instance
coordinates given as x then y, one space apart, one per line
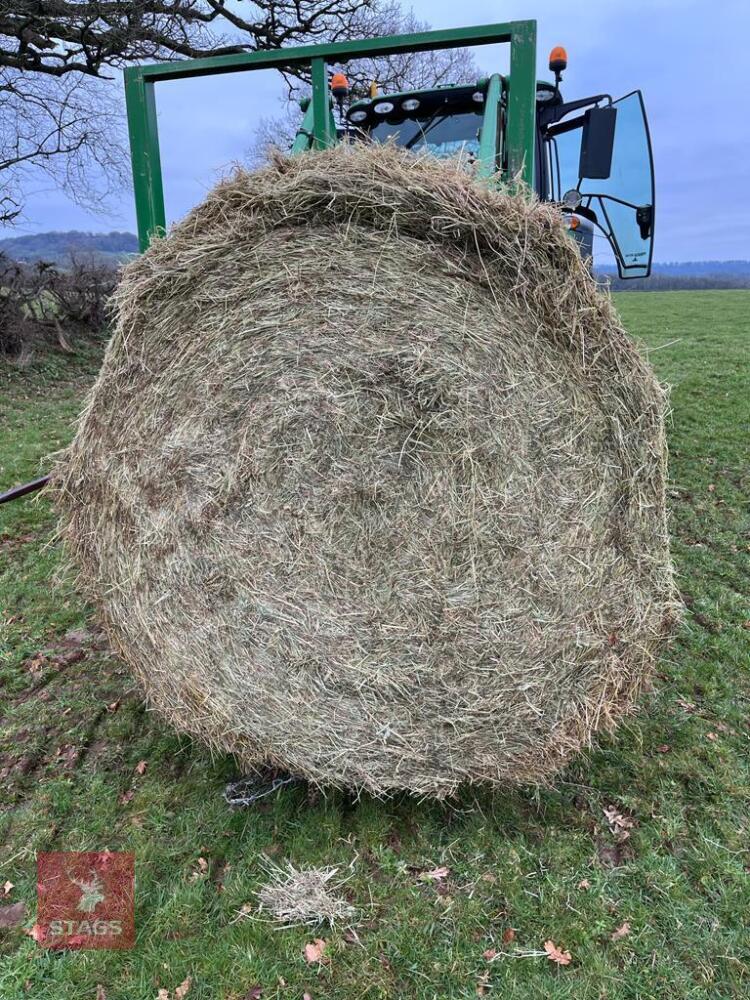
371 484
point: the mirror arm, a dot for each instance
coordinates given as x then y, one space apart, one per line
561 127
554 114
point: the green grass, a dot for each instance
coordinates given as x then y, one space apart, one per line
680 769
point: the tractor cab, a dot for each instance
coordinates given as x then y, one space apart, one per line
444 122
592 155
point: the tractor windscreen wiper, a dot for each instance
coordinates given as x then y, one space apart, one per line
422 131
442 134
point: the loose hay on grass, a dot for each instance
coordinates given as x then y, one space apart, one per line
304 896
371 484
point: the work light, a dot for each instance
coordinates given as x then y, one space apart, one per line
383 108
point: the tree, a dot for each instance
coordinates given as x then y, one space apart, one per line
70 130
59 37
57 113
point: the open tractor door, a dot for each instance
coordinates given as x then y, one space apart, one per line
595 160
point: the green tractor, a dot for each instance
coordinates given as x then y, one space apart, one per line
592 156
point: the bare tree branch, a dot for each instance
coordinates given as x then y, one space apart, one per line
58 37
69 130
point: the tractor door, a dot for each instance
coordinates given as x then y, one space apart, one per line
619 199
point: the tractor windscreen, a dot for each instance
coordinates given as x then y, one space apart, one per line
444 134
444 122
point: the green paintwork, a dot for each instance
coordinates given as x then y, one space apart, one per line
421 41
303 138
144 153
521 131
489 140
140 81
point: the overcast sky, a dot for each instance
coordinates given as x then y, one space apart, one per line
688 57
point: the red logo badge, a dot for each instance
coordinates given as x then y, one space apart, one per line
85 899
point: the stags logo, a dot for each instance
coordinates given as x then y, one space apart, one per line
85 899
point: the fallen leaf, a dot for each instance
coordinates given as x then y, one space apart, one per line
307 996
13 915
126 797
622 931
489 954
140 767
183 989
584 884
7 887
37 663
314 951
113 706
712 736
664 748
482 984
436 874
619 824
711 487
162 995
555 954
101 993
200 871
508 935
254 993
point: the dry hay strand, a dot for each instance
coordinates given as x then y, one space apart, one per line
304 896
371 484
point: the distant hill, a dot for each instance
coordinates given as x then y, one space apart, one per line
702 268
693 274
58 247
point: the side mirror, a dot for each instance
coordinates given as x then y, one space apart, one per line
597 143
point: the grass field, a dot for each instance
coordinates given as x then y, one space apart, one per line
524 867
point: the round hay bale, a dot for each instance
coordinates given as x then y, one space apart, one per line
371 484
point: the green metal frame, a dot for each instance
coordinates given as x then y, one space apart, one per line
141 104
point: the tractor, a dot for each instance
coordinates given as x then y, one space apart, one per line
591 156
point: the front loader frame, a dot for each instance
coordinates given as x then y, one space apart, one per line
141 102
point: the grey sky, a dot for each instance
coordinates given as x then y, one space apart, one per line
688 57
